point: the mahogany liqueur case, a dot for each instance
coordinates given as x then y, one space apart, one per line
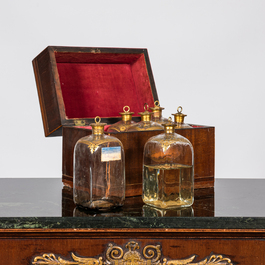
76 84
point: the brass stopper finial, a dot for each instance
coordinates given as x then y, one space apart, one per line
157 110
124 108
146 115
126 115
179 109
179 116
169 127
97 127
97 119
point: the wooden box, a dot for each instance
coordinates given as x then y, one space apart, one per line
75 84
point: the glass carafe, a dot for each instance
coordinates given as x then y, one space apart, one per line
168 170
179 119
145 124
125 123
157 113
99 170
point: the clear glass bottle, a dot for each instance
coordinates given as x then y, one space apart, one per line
168 180
179 119
125 123
157 113
99 170
145 124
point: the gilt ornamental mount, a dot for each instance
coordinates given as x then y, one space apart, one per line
115 255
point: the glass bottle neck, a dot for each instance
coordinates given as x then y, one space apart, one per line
98 136
179 119
157 113
126 117
146 118
98 130
169 129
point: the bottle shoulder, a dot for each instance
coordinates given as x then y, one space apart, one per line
98 140
183 125
94 145
121 126
146 126
160 120
172 138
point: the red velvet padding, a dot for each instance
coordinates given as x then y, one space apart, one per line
102 87
90 128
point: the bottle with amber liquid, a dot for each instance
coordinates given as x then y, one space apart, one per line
146 124
99 170
179 119
125 123
157 113
168 180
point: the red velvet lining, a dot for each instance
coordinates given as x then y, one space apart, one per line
90 128
196 126
102 84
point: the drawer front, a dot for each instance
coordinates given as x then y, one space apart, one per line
132 246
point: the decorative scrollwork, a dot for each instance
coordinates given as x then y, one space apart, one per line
93 146
212 260
115 255
52 260
153 252
167 143
113 252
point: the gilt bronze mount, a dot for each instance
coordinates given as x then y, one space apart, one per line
116 255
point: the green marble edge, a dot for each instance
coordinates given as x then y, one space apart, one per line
133 222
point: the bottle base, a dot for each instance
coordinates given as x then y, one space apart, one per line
166 205
100 205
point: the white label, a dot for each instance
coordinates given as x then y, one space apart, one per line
110 153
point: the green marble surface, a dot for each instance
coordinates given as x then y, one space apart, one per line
44 203
133 222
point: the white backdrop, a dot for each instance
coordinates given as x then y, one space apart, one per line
206 55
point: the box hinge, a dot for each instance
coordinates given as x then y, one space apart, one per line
79 122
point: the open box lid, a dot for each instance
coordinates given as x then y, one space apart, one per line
76 84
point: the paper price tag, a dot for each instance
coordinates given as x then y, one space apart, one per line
110 153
